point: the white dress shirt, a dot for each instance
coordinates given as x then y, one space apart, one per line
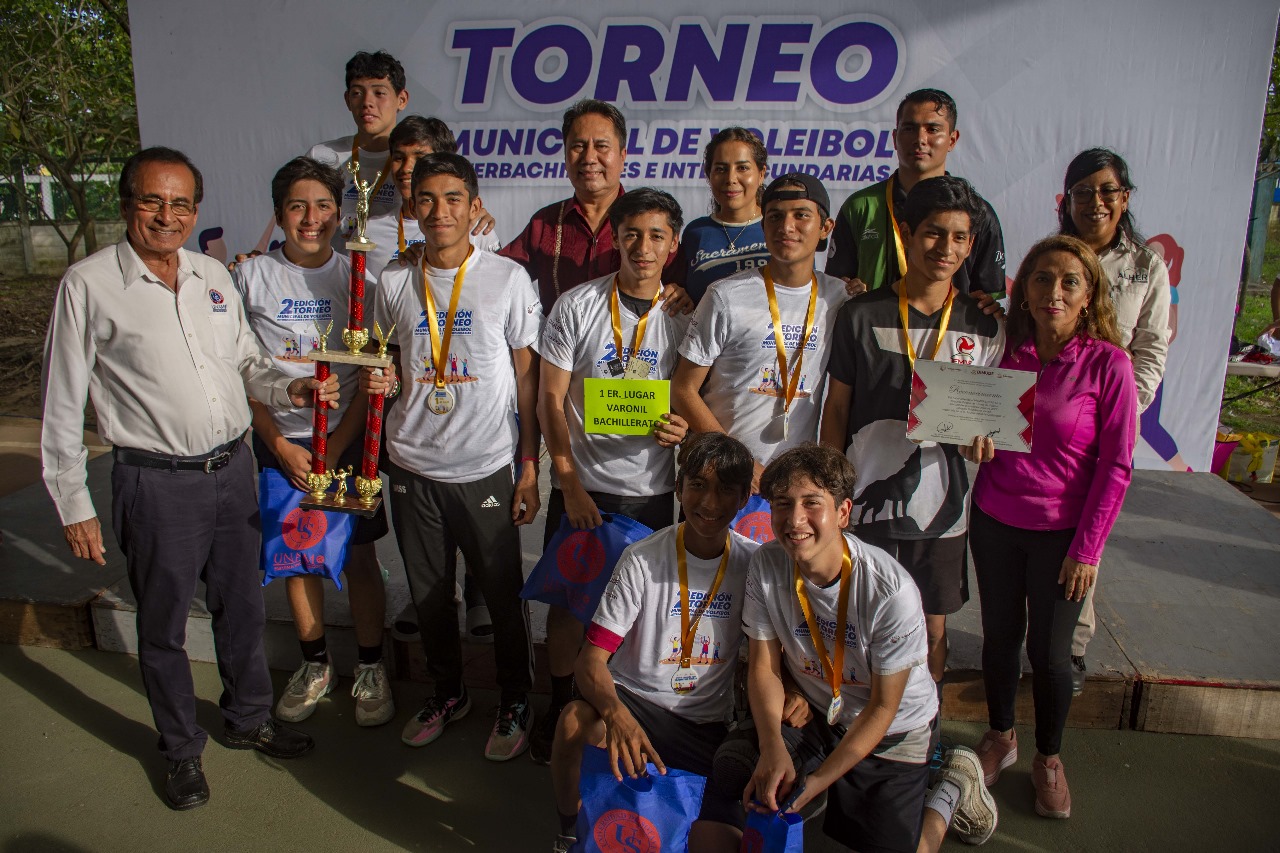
167 371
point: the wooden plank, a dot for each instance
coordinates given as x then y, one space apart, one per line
1101 706
1209 710
53 626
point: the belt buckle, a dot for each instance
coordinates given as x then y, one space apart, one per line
218 462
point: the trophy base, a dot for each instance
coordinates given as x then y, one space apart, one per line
348 503
361 245
364 359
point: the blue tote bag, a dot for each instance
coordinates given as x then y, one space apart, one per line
577 565
773 833
755 520
298 541
651 814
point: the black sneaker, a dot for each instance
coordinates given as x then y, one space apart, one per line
1077 674
544 734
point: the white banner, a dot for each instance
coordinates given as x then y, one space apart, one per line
1176 88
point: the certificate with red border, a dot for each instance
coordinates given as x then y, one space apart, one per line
952 403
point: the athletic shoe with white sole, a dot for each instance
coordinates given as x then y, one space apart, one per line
996 752
974 819
372 692
312 682
1053 797
428 724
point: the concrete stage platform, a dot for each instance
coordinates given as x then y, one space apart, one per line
1188 607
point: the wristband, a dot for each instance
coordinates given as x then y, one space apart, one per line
533 459
395 388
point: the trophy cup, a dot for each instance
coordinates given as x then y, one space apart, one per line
354 337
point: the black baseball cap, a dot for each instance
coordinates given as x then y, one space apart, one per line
785 189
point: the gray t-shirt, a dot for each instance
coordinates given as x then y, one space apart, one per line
578 338
732 333
498 311
284 302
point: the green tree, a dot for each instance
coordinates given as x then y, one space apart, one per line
66 98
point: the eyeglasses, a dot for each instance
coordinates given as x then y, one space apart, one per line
152 204
1084 195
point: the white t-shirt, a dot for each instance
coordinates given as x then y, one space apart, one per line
578 338
732 333
642 605
385 201
284 302
884 633
498 311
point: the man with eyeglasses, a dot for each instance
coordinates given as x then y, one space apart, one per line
867 249
157 337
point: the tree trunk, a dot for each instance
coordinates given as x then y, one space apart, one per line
24 222
90 236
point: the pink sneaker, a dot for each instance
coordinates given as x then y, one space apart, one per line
996 752
1053 797
428 724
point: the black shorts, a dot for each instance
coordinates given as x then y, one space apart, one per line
686 745
940 568
654 511
876 807
367 529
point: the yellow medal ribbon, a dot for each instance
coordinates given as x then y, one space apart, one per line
400 232
834 671
906 332
789 387
689 625
439 348
615 317
893 223
382 176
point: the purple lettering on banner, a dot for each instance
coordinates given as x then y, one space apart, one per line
635 145
795 142
770 60
637 73
831 143
880 63
575 70
859 143
886 146
550 142
651 170
480 146
771 143
479 45
719 72
509 141
664 140
689 140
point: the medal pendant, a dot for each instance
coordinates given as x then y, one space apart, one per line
833 710
684 680
440 401
637 368
614 366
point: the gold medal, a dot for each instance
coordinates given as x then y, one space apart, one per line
441 399
832 669
685 679
789 388
636 367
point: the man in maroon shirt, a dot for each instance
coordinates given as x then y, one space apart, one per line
564 245
569 242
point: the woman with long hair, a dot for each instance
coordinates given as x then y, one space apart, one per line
1040 520
731 239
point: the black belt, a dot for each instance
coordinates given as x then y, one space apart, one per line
214 460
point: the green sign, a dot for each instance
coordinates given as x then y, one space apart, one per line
625 406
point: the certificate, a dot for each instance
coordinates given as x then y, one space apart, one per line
951 403
624 406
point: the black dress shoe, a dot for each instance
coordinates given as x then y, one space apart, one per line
185 788
272 738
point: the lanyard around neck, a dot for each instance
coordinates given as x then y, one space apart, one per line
688 623
615 318
832 669
439 344
789 387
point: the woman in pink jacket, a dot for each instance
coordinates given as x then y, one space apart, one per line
1040 519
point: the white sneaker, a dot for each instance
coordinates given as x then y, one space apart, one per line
306 687
975 817
372 692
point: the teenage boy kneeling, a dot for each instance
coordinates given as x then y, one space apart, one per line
641 701
873 702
